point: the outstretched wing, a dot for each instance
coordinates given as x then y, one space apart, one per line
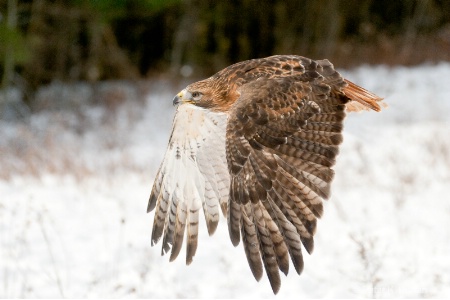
282 139
192 175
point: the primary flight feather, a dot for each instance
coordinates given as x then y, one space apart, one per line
256 141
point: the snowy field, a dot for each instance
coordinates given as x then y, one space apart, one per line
74 189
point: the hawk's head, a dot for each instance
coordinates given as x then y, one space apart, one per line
208 93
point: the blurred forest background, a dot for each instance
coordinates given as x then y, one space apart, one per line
43 41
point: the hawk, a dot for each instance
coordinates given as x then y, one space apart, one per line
256 141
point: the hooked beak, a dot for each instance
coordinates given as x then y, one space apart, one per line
180 98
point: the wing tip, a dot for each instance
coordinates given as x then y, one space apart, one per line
211 225
191 249
276 288
151 202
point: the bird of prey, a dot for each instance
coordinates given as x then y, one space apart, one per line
256 141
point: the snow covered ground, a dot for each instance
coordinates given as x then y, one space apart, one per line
74 189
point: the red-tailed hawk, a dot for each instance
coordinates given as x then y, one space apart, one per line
257 139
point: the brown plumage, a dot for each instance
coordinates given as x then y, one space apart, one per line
258 139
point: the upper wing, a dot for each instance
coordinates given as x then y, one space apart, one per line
288 65
282 140
192 175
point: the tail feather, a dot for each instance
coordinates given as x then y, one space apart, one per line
361 98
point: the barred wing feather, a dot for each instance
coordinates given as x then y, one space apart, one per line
193 175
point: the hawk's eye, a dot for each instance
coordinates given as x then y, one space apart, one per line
196 95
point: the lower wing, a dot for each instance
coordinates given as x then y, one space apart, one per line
193 175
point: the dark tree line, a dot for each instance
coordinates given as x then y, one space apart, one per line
70 40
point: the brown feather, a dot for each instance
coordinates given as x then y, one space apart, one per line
233 220
288 231
250 241
267 249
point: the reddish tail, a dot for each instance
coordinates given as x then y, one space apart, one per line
362 99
